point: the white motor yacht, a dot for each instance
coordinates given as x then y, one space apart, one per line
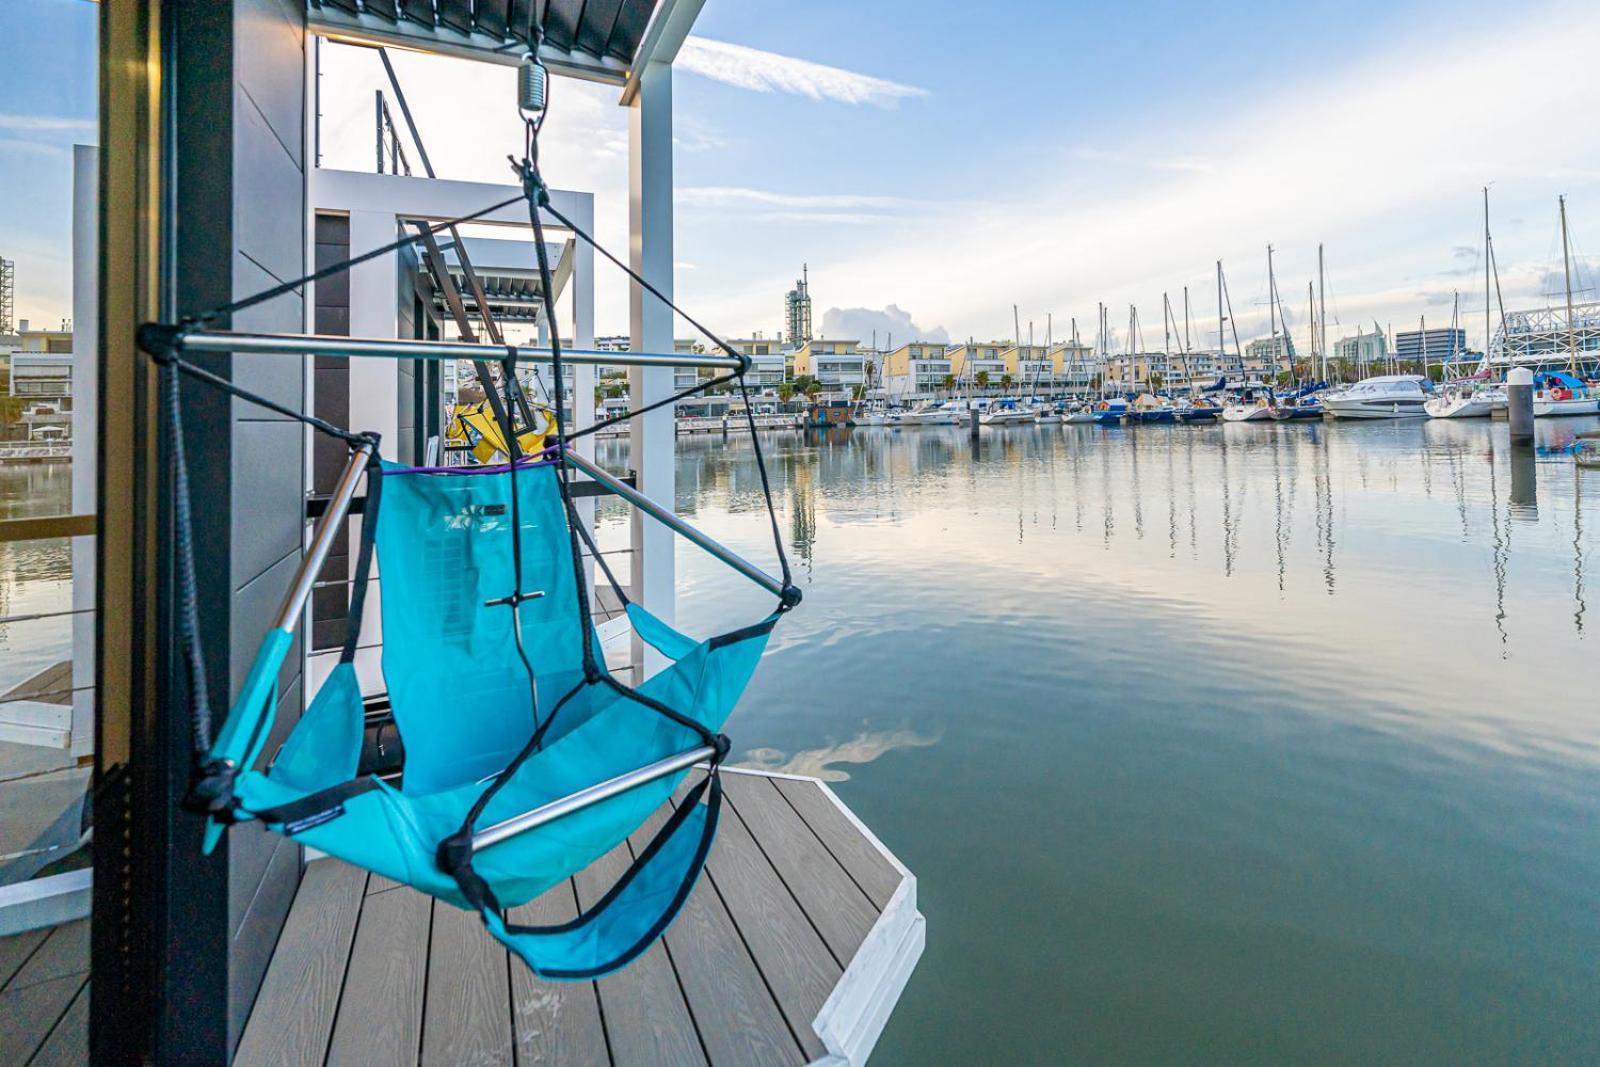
1388 396
1559 393
950 413
1259 409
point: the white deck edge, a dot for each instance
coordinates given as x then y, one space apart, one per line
42 902
855 1013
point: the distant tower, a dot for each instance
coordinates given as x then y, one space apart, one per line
797 310
8 281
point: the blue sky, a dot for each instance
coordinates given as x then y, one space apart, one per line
953 160
48 104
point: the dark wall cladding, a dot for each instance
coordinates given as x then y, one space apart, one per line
331 393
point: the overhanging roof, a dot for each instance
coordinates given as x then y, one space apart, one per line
594 39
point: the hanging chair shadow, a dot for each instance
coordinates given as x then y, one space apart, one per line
458 826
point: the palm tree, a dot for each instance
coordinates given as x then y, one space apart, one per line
949 383
785 392
981 380
1005 382
1157 380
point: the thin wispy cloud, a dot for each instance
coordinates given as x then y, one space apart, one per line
1338 157
769 72
42 123
724 196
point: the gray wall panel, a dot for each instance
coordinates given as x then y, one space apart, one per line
262 229
268 507
270 69
278 378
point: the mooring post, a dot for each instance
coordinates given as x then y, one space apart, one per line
1519 397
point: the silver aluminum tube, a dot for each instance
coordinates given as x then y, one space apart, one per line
584 798
667 518
312 344
305 579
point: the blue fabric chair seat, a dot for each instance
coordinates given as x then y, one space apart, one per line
464 707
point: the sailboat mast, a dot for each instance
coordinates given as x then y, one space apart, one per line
1566 267
1272 308
1311 305
1488 255
1322 316
1222 345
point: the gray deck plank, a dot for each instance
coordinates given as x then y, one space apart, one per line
380 1012
859 856
841 911
467 1017
15 950
554 1022
27 1015
739 1021
65 952
786 947
377 883
294 1011
68 1043
646 1019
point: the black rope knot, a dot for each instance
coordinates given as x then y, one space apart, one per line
161 341
790 598
211 790
723 746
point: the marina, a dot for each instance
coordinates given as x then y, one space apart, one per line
448 615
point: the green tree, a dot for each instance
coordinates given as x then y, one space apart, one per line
785 391
948 383
858 392
1157 380
981 380
1006 381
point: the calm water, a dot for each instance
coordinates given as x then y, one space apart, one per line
1270 743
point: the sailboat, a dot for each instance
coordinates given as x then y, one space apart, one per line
1147 407
1083 412
1565 392
1196 407
1252 405
1473 397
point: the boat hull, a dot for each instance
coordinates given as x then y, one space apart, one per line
1374 409
1155 416
1471 407
1246 413
1544 409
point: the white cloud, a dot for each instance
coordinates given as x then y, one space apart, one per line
887 323
1356 157
769 72
43 123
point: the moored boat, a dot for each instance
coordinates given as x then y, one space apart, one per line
1386 396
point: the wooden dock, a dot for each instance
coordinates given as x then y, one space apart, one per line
793 949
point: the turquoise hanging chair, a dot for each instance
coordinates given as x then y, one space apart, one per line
466 714
525 758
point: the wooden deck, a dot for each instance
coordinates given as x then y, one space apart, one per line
44 996
792 950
